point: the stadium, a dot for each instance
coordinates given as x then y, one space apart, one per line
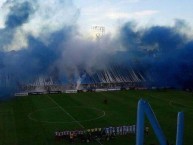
115 78
96 109
96 72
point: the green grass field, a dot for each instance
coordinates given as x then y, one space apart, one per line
32 120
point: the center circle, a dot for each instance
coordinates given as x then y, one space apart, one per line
69 115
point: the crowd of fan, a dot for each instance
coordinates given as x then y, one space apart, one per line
95 134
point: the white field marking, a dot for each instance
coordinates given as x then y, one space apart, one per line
190 112
66 112
69 115
171 103
62 122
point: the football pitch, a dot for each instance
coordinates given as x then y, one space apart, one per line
33 120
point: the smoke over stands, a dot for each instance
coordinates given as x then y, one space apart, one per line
40 38
164 53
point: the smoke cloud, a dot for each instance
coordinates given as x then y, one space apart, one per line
40 38
164 53
31 40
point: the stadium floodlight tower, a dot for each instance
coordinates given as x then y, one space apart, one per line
143 109
98 31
